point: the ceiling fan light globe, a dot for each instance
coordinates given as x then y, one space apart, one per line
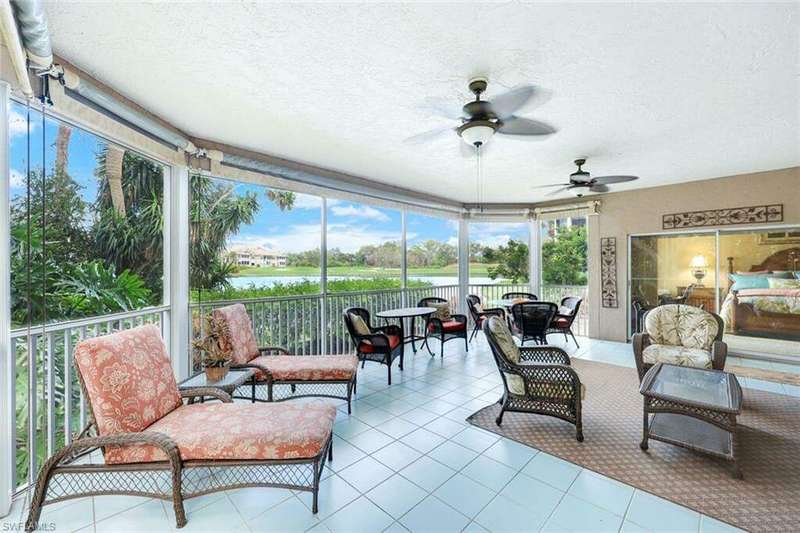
477 134
579 192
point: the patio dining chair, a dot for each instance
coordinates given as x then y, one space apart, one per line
531 321
536 379
154 445
382 344
519 295
290 376
565 317
443 325
479 314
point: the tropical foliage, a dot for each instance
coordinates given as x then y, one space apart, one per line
564 257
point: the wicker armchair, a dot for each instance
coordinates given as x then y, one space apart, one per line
565 317
531 321
537 380
382 344
680 335
520 295
479 314
455 328
154 445
291 376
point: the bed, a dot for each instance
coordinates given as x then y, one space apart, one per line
753 307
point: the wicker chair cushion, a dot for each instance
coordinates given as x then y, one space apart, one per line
366 347
505 342
478 307
211 431
681 325
241 342
449 326
305 367
564 310
676 355
128 379
442 311
359 325
560 322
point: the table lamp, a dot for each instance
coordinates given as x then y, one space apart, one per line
698 266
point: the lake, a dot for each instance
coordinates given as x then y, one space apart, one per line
269 281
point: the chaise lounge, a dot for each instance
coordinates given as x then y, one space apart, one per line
297 375
156 446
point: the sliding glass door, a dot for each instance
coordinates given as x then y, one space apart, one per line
750 277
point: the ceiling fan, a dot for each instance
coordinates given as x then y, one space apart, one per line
481 119
581 182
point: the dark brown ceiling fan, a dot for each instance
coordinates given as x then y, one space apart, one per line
581 182
481 119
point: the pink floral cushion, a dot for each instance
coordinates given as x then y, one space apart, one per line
305 367
208 431
128 379
241 342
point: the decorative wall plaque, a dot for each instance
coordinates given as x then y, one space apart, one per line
608 271
724 217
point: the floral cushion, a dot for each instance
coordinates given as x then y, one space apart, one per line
442 311
128 378
681 325
241 341
502 336
209 431
305 367
676 355
359 325
777 283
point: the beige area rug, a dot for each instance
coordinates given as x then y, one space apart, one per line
762 373
767 499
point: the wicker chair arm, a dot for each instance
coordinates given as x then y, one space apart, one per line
207 391
377 340
389 329
640 341
538 374
493 311
719 352
459 318
544 354
273 350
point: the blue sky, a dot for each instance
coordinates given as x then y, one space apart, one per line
350 224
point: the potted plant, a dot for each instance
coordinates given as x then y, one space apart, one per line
213 346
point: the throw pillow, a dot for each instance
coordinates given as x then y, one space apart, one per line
779 283
510 350
442 311
742 282
359 325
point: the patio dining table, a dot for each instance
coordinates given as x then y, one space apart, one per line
507 303
410 313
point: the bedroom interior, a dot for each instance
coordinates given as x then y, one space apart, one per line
236 239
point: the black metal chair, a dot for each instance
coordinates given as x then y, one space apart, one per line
565 316
536 379
479 314
455 328
383 344
513 295
531 320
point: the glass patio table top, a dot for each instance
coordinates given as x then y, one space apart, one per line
509 302
713 389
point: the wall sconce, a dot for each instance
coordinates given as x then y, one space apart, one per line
699 266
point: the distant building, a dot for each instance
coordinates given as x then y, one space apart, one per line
255 256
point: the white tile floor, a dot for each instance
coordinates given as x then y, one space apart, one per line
406 460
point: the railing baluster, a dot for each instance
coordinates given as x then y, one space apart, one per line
51 393
67 386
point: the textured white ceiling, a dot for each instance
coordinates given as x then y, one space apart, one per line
668 92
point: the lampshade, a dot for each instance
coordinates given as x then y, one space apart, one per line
477 134
698 261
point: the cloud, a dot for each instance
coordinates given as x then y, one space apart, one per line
16 179
363 211
307 201
18 124
495 234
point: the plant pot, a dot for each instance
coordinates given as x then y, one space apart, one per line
216 373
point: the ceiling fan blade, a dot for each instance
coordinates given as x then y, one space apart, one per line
443 107
599 187
429 135
605 180
562 189
525 127
551 185
504 105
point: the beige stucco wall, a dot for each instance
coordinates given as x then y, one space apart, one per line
640 211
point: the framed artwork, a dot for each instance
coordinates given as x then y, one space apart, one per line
757 214
608 271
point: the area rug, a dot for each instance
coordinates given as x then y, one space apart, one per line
767 375
767 499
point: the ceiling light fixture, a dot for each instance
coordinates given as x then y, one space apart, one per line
477 132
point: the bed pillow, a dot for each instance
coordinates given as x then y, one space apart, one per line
745 281
778 283
797 274
782 274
